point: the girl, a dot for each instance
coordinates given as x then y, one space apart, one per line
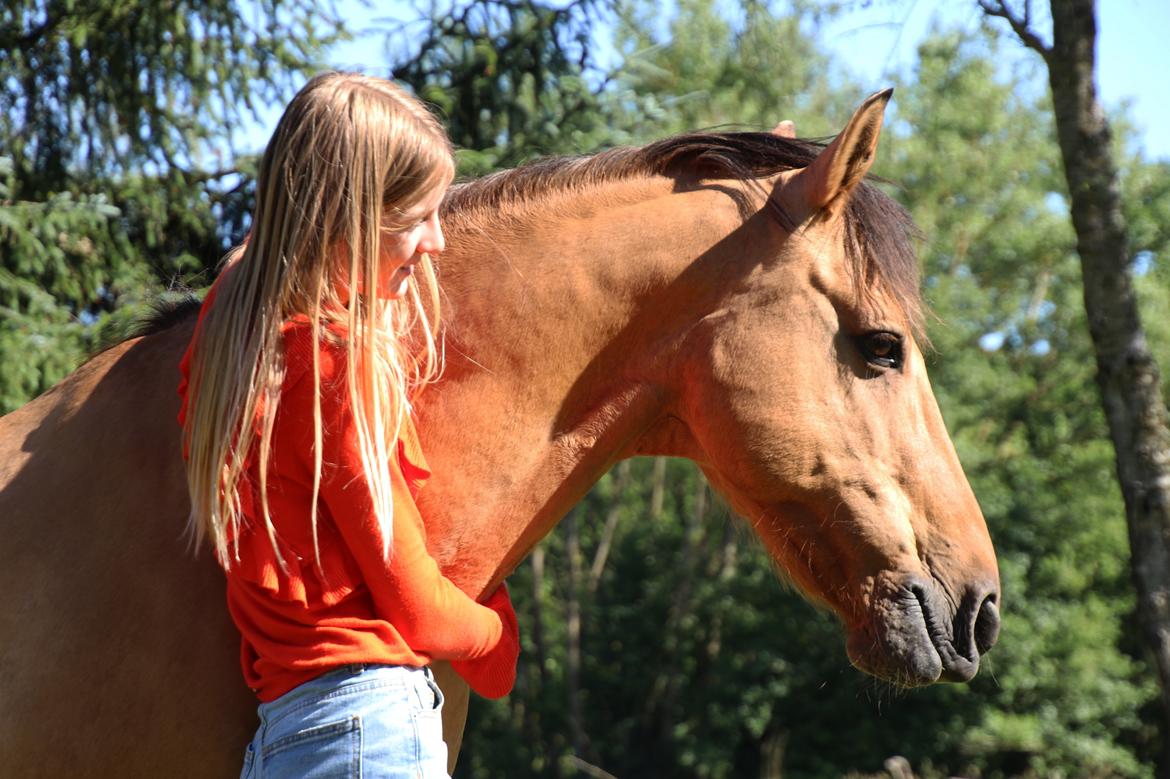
302 459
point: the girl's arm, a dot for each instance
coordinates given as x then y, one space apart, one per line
433 616
493 675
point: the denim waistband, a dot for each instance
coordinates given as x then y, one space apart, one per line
341 679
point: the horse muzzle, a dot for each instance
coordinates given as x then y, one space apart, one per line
918 634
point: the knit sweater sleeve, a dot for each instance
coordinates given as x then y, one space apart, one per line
433 616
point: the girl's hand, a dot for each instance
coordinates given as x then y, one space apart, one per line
494 674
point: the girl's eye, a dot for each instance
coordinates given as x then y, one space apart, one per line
882 349
420 222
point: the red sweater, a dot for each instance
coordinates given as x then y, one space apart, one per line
298 624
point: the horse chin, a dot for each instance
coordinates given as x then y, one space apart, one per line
896 645
914 638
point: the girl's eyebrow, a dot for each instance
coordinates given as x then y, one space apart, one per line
419 211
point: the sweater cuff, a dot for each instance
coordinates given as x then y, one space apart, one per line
494 674
487 675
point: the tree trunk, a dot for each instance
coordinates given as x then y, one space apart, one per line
611 522
573 634
1127 374
723 573
659 708
532 726
657 487
772 747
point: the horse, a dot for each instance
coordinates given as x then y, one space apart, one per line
745 300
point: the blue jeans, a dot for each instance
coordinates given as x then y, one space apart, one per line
369 721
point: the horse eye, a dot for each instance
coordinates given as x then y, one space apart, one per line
882 349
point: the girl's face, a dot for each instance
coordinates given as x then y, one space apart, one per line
403 249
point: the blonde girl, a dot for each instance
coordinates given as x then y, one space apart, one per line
303 462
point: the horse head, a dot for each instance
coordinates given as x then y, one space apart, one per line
805 400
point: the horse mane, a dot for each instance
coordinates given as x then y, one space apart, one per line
164 314
880 234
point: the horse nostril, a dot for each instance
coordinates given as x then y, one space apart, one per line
987 624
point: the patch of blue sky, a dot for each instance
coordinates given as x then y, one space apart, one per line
993 341
879 40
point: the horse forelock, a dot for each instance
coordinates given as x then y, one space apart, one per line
880 244
880 234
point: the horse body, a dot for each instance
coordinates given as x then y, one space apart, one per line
655 309
111 628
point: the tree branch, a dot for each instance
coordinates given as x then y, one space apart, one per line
589 769
1021 26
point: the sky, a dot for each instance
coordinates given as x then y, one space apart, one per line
1133 59
880 38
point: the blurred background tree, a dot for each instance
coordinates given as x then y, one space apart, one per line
658 639
1127 376
118 173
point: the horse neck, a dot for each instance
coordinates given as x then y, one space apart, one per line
561 330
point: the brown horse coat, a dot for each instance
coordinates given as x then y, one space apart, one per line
741 300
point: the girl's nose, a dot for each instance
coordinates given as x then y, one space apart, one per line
433 242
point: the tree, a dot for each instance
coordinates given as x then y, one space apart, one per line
116 168
747 72
1127 374
512 80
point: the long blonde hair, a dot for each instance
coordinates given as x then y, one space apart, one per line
350 157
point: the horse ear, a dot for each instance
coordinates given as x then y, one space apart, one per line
826 183
785 129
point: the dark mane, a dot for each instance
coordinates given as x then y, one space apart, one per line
879 233
711 155
164 312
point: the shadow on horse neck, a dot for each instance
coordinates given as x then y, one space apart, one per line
571 286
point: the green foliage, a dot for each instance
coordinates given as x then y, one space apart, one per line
40 343
704 71
512 80
99 88
117 177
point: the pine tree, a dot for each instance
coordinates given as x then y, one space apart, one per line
118 172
